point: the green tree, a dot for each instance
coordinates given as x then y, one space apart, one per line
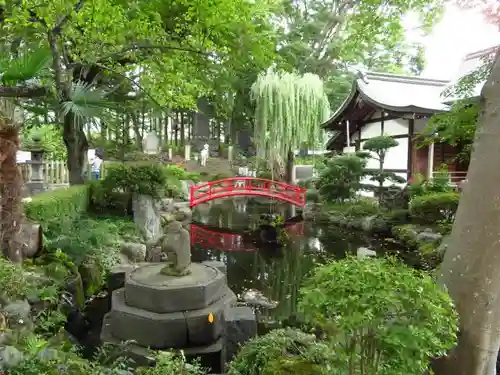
322 37
170 50
289 111
378 148
339 180
457 127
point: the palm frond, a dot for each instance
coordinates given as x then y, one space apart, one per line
85 101
30 65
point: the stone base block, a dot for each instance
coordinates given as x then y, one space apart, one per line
221 266
116 278
241 326
212 356
146 288
168 330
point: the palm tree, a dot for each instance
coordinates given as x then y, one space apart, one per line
23 89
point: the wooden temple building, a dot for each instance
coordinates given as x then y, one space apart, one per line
398 106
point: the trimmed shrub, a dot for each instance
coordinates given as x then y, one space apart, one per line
434 208
361 208
379 315
396 217
63 204
104 200
340 179
137 178
283 351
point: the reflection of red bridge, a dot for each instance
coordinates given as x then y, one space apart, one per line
249 186
226 241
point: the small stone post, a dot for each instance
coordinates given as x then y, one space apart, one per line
170 153
187 152
36 183
230 151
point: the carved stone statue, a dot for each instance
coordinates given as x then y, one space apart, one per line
176 245
204 154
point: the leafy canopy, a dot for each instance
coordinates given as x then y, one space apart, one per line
169 49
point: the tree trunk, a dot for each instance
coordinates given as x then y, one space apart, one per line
77 146
289 167
182 129
470 269
137 131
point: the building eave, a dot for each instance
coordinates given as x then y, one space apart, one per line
361 86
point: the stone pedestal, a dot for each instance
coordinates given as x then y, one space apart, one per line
165 312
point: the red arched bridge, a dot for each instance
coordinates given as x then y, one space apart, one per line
231 241
249 186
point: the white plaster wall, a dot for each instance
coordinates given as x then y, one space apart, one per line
354 137
397 157
371 130
396 127
347 150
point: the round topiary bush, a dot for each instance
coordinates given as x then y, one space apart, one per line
382 317
283 351
435 207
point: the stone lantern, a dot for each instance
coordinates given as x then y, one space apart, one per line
36 183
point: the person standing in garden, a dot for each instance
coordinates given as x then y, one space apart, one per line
95 165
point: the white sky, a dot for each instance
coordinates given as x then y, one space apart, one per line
460 32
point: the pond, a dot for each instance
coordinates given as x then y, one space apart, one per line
275 272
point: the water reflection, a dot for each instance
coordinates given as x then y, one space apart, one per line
276 272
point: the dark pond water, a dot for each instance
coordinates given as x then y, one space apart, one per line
276 272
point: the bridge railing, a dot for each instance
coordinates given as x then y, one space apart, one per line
246 186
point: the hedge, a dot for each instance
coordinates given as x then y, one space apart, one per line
63 204
435 207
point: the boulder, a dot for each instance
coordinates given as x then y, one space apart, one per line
10 357
20 309
428 236
146 216
255 297
363 252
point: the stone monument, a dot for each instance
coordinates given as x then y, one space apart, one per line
151 144
178 305
36 184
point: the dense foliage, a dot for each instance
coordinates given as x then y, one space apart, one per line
340 178
382 317
284 351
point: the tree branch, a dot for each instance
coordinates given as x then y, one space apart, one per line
64 20
22 92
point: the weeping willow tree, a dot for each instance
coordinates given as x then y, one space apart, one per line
289 111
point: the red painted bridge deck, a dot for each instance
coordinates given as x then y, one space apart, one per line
246 186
